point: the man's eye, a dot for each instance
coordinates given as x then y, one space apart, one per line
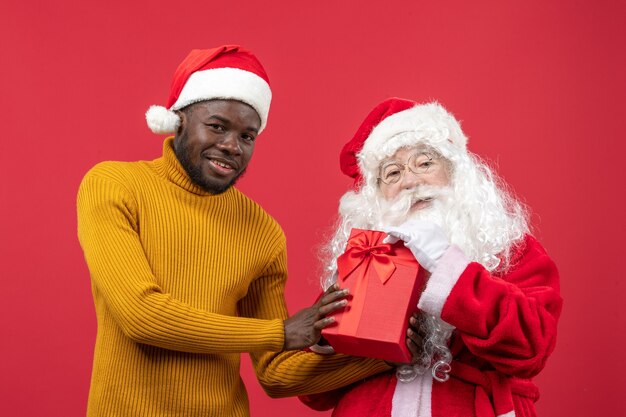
217 127
248 138
426 164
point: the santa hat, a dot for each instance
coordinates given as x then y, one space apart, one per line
225 72
397 123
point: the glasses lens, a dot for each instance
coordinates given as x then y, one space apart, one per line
420 163
391 173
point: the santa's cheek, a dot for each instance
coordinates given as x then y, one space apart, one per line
389 192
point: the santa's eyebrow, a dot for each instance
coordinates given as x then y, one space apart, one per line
388 162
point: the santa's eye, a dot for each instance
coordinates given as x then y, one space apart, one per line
420 163
392 173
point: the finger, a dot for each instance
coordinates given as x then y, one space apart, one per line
416 323
332 288
414 337
413 348
323 323
329 308
333 296
397 234
390 239
418 329
414 344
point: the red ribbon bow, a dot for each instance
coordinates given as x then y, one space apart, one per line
366 247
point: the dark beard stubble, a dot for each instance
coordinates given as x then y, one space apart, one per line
195 173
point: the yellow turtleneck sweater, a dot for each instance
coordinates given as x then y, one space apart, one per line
183 282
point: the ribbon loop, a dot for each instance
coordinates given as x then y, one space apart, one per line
364 250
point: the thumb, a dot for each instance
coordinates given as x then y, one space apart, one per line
397 233
390 239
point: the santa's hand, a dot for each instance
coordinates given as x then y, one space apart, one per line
424 239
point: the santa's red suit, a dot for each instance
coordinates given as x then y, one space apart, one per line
505 330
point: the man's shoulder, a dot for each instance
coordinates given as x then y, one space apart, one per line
116 171
256 213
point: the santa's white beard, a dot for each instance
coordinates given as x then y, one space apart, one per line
477 215
435 356
441 210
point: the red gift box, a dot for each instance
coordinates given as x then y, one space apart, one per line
385 282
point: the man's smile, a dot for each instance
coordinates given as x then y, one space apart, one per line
221 165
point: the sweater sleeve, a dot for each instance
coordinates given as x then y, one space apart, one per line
508 321
292 373
289 373
122 278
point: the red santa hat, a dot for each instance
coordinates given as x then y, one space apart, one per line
397 123
225 72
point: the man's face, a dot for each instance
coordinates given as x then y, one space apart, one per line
412 168
215 141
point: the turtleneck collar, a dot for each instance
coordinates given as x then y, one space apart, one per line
169 167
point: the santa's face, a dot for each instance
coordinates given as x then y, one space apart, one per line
409 169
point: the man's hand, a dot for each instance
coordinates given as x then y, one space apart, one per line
414 338
304 328
414 341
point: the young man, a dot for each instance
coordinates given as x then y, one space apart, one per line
187 272
489 310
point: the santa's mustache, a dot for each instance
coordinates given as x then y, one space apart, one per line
399 209
422 193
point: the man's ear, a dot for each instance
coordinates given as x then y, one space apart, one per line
183 122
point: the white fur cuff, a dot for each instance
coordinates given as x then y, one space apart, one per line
444 277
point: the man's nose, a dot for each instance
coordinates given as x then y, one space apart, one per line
230 143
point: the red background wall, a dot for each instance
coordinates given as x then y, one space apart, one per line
539 87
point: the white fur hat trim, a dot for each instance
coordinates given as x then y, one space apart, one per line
227 83
429 123
215 83
161 120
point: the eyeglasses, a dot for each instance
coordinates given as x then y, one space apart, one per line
419 163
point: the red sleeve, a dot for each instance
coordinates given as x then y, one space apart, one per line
322 401
509 321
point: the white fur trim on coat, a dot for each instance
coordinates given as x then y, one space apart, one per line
413 399
443 279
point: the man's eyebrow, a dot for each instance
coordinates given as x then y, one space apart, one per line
228 122
220 118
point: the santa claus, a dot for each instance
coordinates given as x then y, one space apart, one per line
488 314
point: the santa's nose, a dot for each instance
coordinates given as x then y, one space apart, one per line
410 180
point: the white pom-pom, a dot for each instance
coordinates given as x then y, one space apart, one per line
161 120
